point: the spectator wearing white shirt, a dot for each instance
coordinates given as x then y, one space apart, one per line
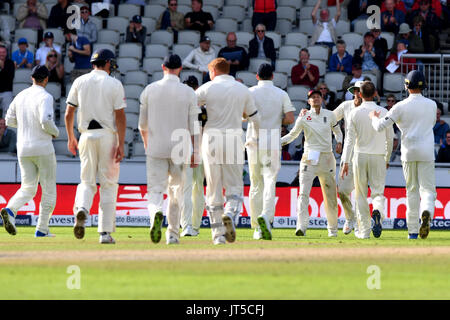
199 58
41 53
325 30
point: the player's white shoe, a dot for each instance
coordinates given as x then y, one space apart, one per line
106 239
219 240
266 229
171 238
230 231
189 232
80 220
257 234
348 226
9 221
332 233
39 234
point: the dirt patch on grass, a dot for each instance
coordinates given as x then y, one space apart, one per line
224 254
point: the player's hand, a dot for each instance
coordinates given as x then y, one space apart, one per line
119 154
339 148
387 165
303 112
344 170
72 145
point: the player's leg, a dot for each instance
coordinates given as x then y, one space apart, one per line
361 189
327 178
157 179
306 178
29 176
256 190
345 187
270 167
377 178
427 190
198 198
108 176
234 191
412 197
186 204
175 200
47 179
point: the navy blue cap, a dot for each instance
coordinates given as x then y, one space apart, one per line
40 72
205 38
137 19
102 55
48 34
265 71
172 61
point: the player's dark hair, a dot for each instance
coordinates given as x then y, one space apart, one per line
340 41
99 63
367 89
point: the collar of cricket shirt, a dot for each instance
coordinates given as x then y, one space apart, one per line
224 77
171 77
265 83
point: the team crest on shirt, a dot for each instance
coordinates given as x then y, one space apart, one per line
308 118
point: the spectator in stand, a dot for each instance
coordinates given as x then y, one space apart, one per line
55 67
357 9
341 61
305 73
423 37
32 14
7 138
351 79
88 29
171 19
79 51
412 40
199 58
262 46
236 56
391 100
7 70
58 15
440 128
435 5
136 32
198 19
329 97
41 53
431 24
22 57
264 12
398 4
370 58
392 18
380 43
324 29
444 150
409 63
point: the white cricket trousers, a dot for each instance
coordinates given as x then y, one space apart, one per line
164 175
223 159
194 197
96 148
369 169
264 166
326 171
345 187
420 191
36 169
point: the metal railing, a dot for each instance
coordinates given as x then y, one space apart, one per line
434 67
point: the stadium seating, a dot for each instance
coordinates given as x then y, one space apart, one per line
234 12
152 64
255 63
289 52
23 76
154 10
133 105
128 10
136 77
247 77
131 50
127 64
162 37
298 92
118 23
133 91
156 51
182 50
226 25
296 39
393 83
189 37
30 34
217 38
108 36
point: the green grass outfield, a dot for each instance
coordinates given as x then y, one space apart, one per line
311 267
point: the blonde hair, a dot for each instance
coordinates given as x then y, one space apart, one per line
220 65
49 53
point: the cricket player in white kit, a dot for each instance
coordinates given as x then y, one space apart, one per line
415 117
100 101
372 151
31 112
168 108
274 108
226 101
345 184
317 160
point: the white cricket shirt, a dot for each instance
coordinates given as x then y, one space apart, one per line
272 103
362 137
317 129
165 107
343 112
415 116
96 95
225 100
31 112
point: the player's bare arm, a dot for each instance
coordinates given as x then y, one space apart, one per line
288 118
121 122
72 143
